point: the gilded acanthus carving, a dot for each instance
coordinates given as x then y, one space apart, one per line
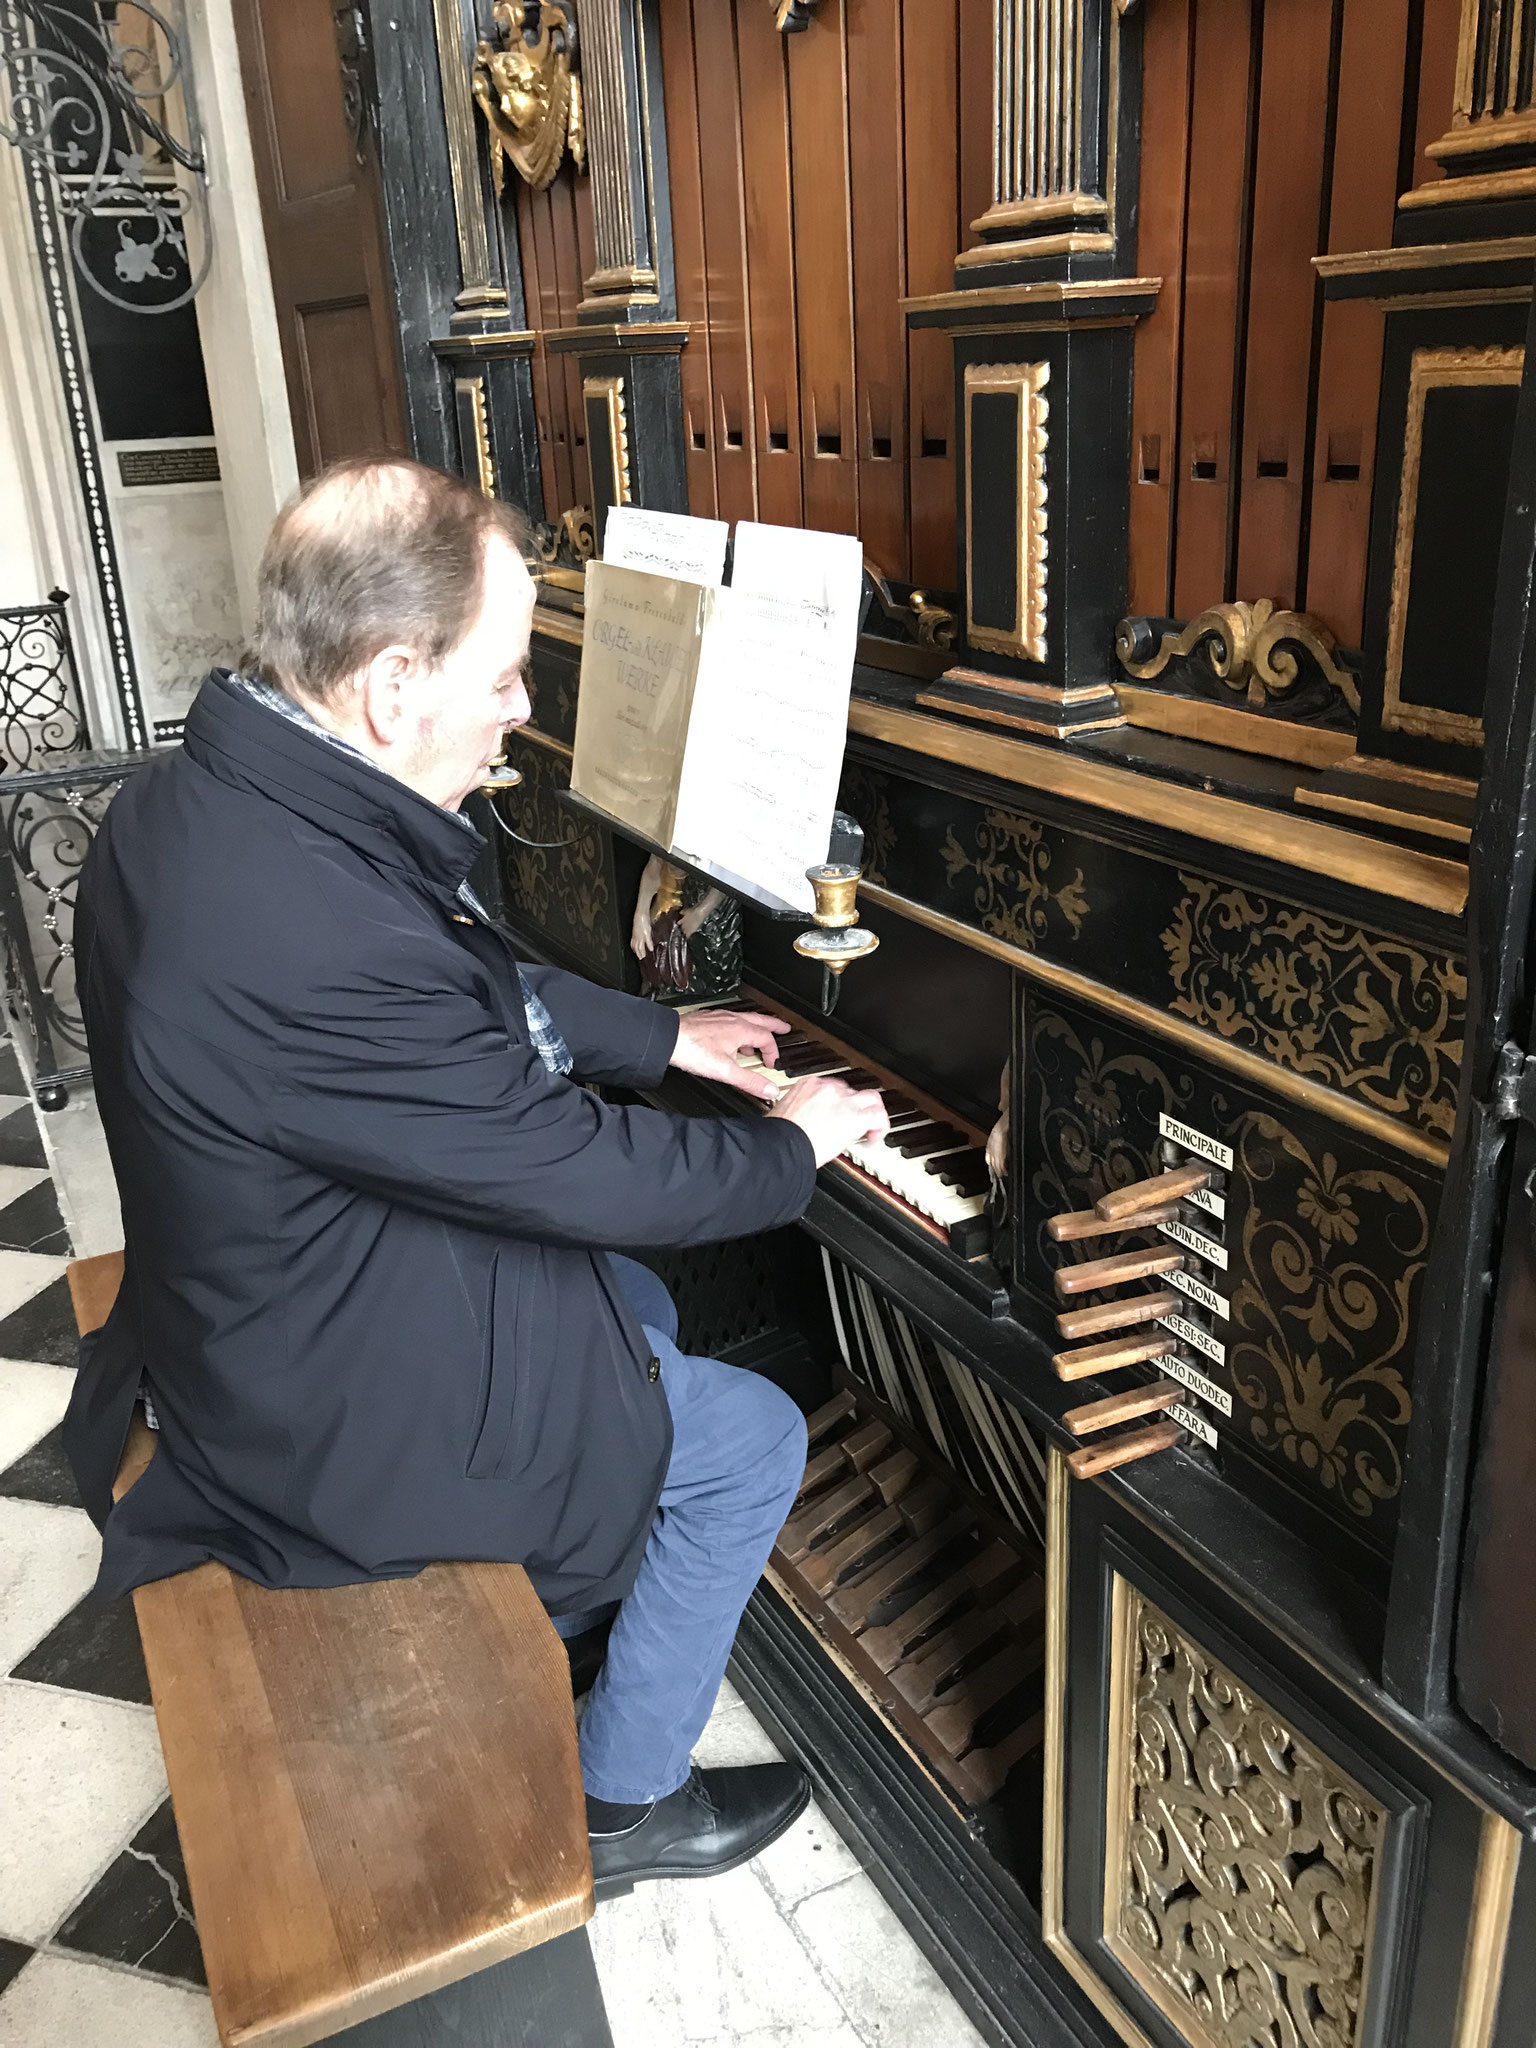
1245 1861
1322 1314
1371 1015
572 537
1014 895
918 616
526 85
1251 648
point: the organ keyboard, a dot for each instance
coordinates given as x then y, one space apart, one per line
930 1168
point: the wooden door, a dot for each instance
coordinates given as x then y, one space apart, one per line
320 211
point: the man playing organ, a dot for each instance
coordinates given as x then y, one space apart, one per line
373 1293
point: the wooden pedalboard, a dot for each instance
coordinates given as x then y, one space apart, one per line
937 1605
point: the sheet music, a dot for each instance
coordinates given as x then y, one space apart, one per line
665 544
770 709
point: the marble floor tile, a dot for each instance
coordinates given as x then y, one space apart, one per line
20 1144
58 2002
13 1957
811 1856
881 1975
77 1778
33 1398
12 1080
19 1180
710 1964
44 1327
48 1559
23 1275
31 1222
733 1735
140 1913
95 1648
43 1472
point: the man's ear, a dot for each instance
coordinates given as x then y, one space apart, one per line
383 689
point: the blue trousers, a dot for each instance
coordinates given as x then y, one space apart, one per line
738 1456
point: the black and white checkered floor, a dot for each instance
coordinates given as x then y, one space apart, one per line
97 1944
96 1940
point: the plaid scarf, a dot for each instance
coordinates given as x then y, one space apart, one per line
542 1028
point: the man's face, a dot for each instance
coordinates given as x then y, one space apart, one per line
461 710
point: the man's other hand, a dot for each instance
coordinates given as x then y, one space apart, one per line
709 1042
833 1115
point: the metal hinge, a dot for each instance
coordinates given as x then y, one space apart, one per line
1513 1098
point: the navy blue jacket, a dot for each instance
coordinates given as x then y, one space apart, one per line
365 1281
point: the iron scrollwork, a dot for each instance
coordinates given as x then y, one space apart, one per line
49 819
40 712
102 99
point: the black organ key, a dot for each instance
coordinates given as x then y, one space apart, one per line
920 1143
965 1172
807 1060
897 1105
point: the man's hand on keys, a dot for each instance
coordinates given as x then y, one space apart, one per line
833 1115
738 1046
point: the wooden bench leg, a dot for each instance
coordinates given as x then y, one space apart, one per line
548 1997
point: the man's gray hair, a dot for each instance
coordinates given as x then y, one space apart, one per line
376 551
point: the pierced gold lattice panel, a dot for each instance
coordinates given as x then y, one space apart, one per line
1242 1864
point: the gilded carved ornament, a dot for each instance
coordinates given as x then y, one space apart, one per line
790 16
1247 646
526 86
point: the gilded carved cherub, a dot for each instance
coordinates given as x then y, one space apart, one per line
527 88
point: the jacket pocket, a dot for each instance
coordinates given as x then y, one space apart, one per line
504 1344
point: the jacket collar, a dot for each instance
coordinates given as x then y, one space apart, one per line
239 740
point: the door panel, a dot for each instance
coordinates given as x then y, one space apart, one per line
320 213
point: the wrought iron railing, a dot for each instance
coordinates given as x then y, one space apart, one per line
54 792
41 714
48 818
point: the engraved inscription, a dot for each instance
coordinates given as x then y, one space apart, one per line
1194 1141
1195 1241
1197 1290
1201 1340
1197 1383
1192 1420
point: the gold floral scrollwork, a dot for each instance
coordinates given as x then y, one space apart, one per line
1013 894
863 796
1322 1313
560 883
1247 647
1242 1864
1358 1011
526 86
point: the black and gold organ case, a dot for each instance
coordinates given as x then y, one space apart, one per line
1156 1615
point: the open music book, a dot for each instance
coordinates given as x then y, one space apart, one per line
712 718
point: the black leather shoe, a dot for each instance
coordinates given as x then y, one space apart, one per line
715 1822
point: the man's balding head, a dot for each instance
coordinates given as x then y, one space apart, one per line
375 552
393 602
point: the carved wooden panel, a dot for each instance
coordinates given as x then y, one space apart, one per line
1241 1862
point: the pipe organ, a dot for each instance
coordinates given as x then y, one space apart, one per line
1155 1612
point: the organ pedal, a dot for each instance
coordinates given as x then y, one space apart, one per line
938 1611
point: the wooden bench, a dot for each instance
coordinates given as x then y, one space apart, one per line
378 1797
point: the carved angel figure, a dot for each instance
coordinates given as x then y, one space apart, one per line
527 88
686 936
